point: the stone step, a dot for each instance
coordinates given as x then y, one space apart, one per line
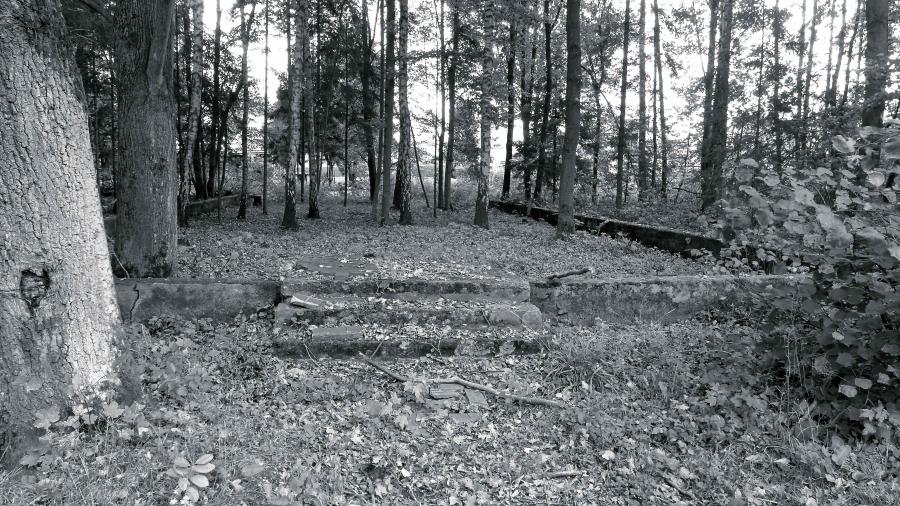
514 290
332 309
347 341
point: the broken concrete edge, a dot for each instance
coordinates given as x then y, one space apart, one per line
193 209
664 298
675 241
219 299
516 290
660 299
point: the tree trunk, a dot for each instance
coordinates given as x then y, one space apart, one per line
487 85
711 167
365 77
451 124
566 223
215 114
390 71
642 102
58 310
403 161
265 139
439 180
297 76
831 94
545 111
510 108
146 222
245 113
710 76
312 131
857 21
527 98
877 54
778 33
663 134
620 151
804 126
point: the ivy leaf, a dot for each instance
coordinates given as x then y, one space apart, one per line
875 178
842 144
891 149
847 390
845 359
46 417
863 383
112 410
891 349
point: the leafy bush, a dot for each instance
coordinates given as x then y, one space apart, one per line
842 223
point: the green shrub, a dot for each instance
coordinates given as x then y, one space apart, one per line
841 222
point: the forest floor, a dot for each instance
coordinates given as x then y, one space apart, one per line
684 413
438 248
677 414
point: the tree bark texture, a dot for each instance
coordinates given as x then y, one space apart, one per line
510 107
487 89
711 166
297 77
877 54
58 312
146 223
566 223
390 72
403 159
623 95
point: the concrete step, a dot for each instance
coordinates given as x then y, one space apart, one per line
514 290
347 341
330 309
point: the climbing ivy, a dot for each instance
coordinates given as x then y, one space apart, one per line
839 223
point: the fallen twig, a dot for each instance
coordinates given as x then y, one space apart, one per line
687 493
468 384
562 474
576 272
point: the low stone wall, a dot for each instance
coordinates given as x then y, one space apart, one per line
195 208
140 299
657 299
679 242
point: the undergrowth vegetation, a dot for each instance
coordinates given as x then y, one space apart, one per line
684 413
836 336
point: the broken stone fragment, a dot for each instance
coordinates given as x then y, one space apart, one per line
523 315
307 301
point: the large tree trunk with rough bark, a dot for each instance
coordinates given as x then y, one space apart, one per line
487 88
146 223
58 312
296 75
566 223
714 147
403 159
877 54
